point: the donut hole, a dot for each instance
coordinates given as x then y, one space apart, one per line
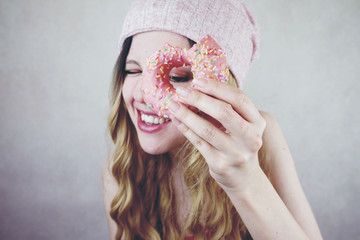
180 75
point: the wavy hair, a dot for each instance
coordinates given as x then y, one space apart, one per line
144 206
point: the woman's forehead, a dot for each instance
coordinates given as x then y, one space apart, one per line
145 44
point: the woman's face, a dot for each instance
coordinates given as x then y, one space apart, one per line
163 136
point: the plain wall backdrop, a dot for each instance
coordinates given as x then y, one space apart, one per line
56 60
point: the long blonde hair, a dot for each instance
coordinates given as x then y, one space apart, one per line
144 206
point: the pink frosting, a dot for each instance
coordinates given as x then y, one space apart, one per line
206 59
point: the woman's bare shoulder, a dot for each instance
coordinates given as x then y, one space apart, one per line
110 185
110 188
283 176
274 139
271 122
107 176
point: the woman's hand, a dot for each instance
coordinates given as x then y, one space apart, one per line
231 150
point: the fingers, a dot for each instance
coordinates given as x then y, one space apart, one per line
204 148
227 105
219 110
232 95
199 131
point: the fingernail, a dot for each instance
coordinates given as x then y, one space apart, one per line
183 92
174 107
201 82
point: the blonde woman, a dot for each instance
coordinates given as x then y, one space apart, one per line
183 177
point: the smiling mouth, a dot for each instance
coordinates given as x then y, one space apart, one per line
153 120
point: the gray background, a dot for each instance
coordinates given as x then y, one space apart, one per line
56 59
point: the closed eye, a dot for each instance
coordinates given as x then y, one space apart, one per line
132 68
180 74
180 78
132 72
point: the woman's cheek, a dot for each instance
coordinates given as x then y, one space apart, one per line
129 88
125 90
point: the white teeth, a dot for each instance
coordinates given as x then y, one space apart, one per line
150 119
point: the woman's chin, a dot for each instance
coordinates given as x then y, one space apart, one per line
153 149
157 149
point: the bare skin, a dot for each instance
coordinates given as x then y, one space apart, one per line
271 209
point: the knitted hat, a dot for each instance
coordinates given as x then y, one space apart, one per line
227 21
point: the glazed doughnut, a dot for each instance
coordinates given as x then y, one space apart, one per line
206 59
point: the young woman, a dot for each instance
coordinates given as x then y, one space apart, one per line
225 173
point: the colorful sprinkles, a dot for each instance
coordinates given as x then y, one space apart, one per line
206 59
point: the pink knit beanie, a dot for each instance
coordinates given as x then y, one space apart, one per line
227 21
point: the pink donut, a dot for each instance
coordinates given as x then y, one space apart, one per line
206 59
